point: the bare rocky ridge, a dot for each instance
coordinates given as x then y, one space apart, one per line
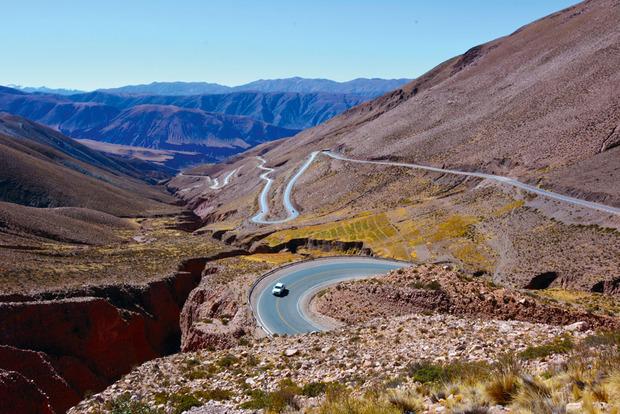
435 289
216 315
71 343
354 356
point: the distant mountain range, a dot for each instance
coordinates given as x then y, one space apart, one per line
289 110
369 88
146 125
214 120
44 89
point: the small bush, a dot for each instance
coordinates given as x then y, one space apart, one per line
425 372
340 401
226 361
124 405
183 402
558 346
314 389
406 402
214 394
503 388
276 401
603 339
180 401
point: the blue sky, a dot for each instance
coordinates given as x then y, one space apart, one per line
92 44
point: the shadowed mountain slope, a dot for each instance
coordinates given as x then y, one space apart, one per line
171 127
43 168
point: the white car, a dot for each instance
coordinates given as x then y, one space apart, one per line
278 289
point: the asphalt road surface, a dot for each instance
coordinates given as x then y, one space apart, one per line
289 314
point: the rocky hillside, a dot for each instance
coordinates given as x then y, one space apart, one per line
43 168
540 105
437 364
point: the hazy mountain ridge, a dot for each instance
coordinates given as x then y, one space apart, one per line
230 119
364 86
212 133
291 110
45 89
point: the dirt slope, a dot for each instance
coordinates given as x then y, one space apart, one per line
43 168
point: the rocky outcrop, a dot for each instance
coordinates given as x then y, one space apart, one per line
213 317
74 342
364 357
317 244
20 395
435 289
609 287
37 366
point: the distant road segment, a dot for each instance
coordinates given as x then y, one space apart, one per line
292 213
263 199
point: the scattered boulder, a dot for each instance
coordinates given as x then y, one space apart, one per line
577 327
574 408
291 352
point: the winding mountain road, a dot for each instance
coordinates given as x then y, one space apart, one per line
216 185
289 314
292 213
215 181
263 201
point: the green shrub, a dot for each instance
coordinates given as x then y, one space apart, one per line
314 389
557 346
276 401
227 361
426 372
213 394
183 402
340 401
124 405
603 339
